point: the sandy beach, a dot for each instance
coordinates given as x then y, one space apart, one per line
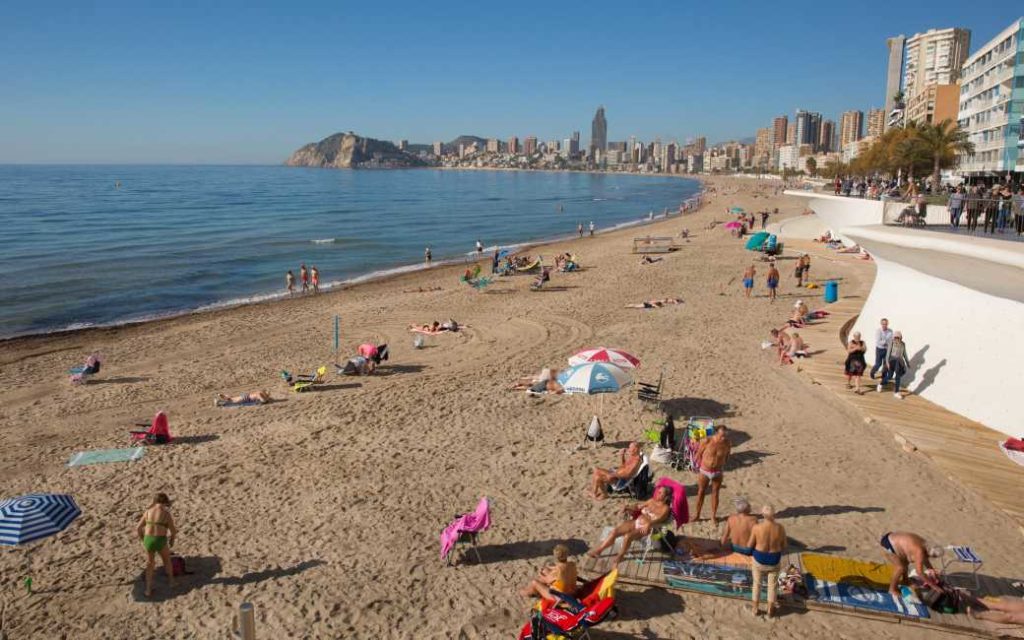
324 508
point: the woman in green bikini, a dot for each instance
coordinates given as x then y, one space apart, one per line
156 530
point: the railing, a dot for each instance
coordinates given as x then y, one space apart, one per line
995 217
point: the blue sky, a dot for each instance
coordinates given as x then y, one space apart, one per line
250 82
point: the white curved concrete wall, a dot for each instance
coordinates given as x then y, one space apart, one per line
799 228
838 212
966 347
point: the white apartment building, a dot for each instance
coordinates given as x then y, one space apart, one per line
992 103
934 57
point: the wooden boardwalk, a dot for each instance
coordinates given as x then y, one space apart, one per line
965 450
650 573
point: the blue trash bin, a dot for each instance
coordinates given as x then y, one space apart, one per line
831 291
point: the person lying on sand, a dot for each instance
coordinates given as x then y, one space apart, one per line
438 327
649 260
560 576
551 386
643 517
655 304
628 464
1004 610
796 320
253 397
540 381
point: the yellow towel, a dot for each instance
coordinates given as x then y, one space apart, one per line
847 570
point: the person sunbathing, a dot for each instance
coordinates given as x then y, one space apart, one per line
551 386
432 328
655 304
797 348
642 518
522 384
796 320
560 576
629 462
1004 610
254 397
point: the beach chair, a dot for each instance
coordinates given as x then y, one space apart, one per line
158 433
302 383
650 394
79 374
543 277
466 529
639 485
572 616
963 555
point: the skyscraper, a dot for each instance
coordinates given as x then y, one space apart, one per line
934 57
598 131
700 144
530 145
763 146
574 144
826 134
894 72
876 122
790 133
513 145
779 126
808 128
851 127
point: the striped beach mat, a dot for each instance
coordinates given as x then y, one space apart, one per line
100 456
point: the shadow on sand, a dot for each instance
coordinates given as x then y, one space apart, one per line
203 570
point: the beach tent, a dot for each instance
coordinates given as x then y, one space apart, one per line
757 240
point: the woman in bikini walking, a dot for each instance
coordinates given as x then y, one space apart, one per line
156 530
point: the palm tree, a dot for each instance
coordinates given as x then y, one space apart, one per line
812 166
943 142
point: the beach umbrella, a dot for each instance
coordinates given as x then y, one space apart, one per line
737 210
757 240
617 357
733 225
35 516
594 377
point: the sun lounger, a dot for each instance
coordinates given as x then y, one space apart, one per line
639 485
963 555
91 367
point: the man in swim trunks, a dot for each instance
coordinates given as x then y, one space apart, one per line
628 465
156 531
711 456
737 529
748 279
768 541
773 281
304 277
900 549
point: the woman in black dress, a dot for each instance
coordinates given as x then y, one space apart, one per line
855 363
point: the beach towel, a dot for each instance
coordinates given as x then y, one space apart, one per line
858 584
697 550
476 522
680 505
100 456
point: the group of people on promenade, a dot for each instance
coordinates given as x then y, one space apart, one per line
998 207
308 277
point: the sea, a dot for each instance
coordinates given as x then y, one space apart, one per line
96 245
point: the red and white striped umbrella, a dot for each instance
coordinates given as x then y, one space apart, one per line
617 357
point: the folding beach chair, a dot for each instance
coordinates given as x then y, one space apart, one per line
963 555
92 365
639 485
573 616
697 428
466 529
650 394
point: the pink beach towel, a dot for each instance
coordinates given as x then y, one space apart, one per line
680 505
479 520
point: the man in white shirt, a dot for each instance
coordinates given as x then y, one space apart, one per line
883 338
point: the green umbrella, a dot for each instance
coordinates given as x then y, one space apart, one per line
736 210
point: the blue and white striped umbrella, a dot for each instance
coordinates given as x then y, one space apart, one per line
34 516
594 377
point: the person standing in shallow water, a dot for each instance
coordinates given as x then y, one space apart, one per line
156 531
315 277
304 276
426 255
579 229
289 280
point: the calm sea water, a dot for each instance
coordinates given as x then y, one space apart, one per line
78 251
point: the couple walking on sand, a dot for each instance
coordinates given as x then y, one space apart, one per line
307 276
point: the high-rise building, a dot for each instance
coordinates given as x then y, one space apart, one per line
851 127
530 145
779 126
513 145
700 145
991 110
438 148
599 131
790 133
403 145
826 134
574 144
934 103
894 72
763 144
808 128
876 123
492 145
934 57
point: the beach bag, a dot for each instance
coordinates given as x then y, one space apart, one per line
594 431
178 566
945 599
662 455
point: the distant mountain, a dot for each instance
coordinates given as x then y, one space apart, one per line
349 151
453 146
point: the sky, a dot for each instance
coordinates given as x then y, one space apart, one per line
247 83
